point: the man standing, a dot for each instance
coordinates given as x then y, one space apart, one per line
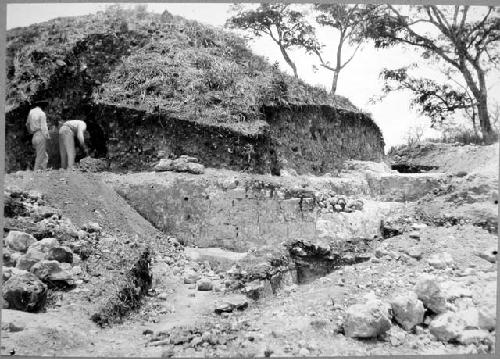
67 133
37 126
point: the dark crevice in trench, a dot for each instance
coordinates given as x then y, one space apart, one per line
407 168
313 261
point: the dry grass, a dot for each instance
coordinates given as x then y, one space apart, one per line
193 71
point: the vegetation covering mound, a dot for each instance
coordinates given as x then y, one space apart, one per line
193 71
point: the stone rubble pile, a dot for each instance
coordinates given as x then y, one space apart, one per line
45 256
444 308
332 202
182 164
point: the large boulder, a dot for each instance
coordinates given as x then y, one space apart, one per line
367 320
429 291
447 326
44 244
229 304
60 254
50 271
181 164
25 292
19 241
441 260
408 309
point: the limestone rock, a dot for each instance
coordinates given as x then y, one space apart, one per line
490 254
45 244
8 260
430 293
205 285
367 320
475 336
51 271
25 292
440 260
27 261
487 317
181 164
60 254
415 252
19 241
447 326
229 304
258 289
408 310
191 277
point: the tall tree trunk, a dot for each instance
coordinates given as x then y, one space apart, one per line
481 96
334 82
338 66
289 61
482 110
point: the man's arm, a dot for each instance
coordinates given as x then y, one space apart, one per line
43 126
80 137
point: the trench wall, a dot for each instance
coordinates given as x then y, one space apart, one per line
239 216
307 138
318 139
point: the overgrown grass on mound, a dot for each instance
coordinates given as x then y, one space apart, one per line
196 72
202 73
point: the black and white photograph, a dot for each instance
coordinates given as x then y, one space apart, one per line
276 179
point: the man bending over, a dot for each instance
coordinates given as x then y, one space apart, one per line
67 133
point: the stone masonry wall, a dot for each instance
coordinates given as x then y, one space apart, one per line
318 139
237 215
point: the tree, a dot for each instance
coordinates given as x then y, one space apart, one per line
287 27
461 39
349 21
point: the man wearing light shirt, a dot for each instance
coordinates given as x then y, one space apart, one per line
67 133
37 125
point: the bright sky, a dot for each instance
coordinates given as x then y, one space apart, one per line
359 81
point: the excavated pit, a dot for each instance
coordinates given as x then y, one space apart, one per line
407 168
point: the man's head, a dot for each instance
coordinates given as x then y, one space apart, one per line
40 103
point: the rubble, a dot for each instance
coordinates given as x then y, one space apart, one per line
367 320
408 309
19 241
24 291
181 164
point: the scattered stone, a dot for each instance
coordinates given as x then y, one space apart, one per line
490 255
418 226
367 320
60 254
414 235
50 271
440 260
487 316
475 336
25 292
181 164
258 289
191 277
19 241
447 326
229 304
429 292
408 310
415 252
26 262
205 285
92 227
304 352
14 326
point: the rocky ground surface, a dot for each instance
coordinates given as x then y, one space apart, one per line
427 286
